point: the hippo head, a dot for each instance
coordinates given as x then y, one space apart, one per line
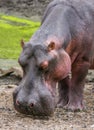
43 66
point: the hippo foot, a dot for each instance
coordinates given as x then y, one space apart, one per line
62 103
75 106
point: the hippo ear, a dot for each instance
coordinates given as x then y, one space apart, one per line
51 46
22 43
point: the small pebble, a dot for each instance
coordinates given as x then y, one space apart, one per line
11 86
92 126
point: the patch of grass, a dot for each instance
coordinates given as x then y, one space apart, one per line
12 30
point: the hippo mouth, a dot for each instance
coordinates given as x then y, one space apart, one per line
51 86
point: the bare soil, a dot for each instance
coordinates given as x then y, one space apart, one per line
61 120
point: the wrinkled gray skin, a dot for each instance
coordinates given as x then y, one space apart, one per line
63 44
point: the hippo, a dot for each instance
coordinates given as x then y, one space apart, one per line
57 57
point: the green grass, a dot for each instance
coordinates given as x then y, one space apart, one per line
12 30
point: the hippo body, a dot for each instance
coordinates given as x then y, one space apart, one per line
63 45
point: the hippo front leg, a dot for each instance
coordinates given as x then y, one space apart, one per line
79 72
71 90
63 89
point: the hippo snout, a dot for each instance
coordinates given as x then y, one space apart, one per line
35 104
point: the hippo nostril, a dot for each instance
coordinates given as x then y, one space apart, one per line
31 105
17 103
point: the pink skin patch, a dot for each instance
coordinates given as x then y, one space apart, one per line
63 67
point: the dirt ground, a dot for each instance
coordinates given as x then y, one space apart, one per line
61 120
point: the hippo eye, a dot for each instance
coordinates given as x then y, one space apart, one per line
44 65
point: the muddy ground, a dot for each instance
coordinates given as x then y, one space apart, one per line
61 120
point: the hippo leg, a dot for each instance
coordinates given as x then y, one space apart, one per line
79 72
63 89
